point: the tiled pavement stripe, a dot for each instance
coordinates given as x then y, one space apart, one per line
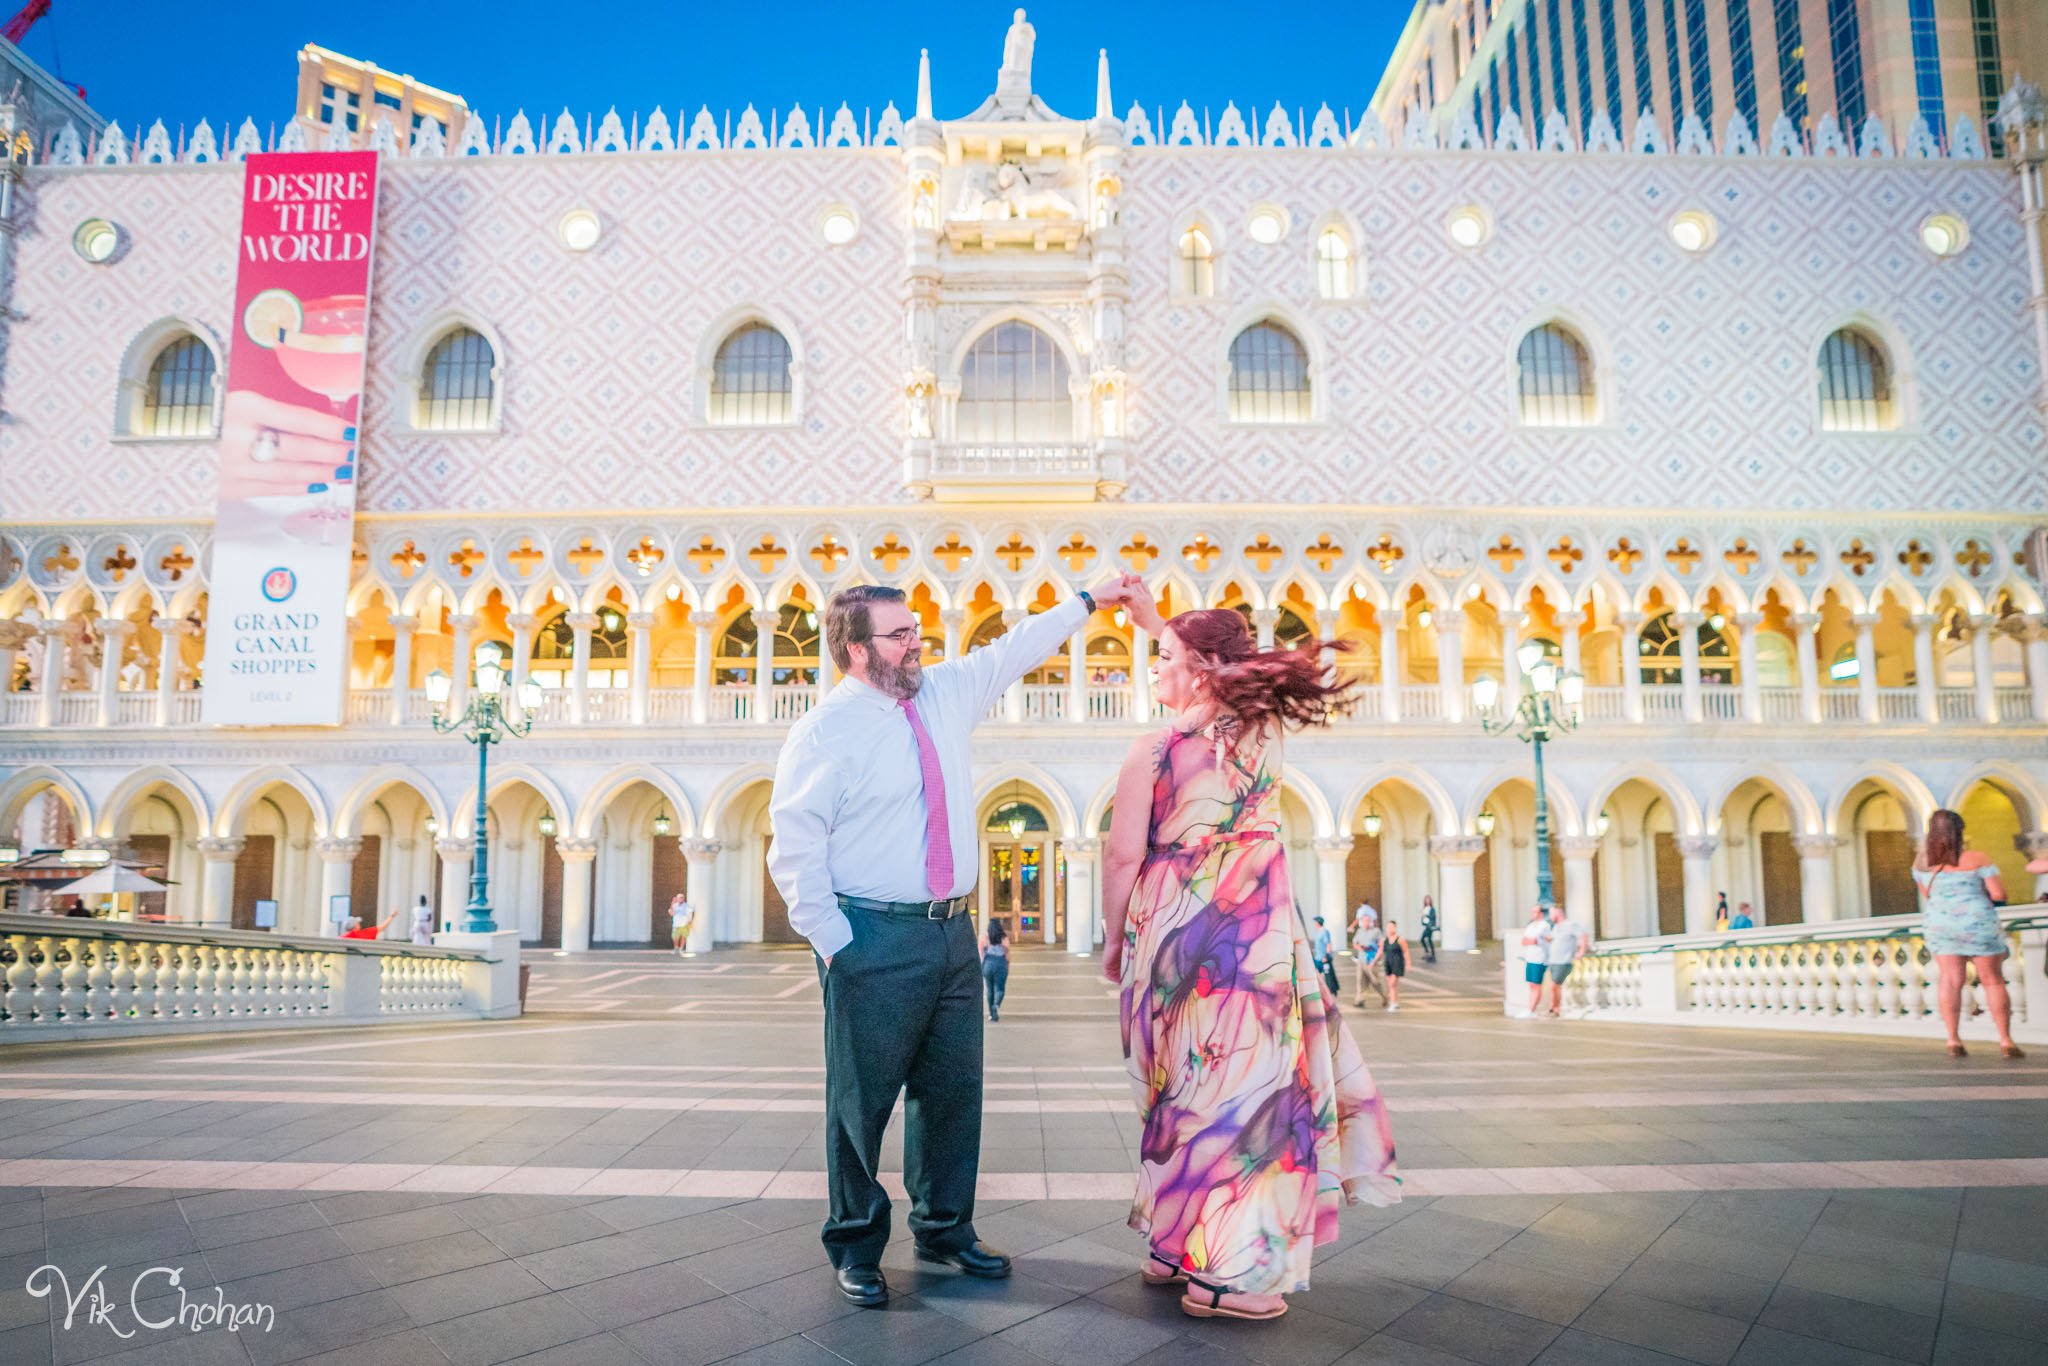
810 1185
1516 1101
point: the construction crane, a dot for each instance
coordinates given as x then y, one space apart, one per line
24 19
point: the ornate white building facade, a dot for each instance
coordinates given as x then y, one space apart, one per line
1752 437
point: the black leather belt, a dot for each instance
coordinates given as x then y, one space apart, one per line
924 910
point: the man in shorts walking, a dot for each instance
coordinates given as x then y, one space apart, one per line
1566 945
1535 935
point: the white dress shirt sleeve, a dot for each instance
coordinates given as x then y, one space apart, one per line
1007 658
801 811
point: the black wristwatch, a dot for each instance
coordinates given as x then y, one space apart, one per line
1088 599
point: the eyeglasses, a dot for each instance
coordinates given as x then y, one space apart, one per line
906 635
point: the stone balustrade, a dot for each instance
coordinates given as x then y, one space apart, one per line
1869 976
64 978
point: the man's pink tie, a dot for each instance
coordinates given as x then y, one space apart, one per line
938 837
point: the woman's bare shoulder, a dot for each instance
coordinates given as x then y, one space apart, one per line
1974 858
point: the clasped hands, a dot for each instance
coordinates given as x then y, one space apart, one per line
1128 591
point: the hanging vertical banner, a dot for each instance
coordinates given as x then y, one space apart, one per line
283 529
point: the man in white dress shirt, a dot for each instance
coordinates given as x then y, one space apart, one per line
876 876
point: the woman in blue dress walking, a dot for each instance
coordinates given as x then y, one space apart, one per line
1961 891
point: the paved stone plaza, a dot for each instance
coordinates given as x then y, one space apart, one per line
633 1172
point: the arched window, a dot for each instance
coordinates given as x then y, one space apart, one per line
1268 375
1013 388
1855 384
458 384
177 396
554 650
1195 265
1657 645
1554 374
1333 263
751 384
796 647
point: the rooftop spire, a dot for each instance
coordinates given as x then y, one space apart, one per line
924 83
1103 108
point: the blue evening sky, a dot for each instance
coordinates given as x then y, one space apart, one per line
227 61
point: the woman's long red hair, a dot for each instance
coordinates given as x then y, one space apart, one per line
1286 686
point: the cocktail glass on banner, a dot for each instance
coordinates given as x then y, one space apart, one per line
325 354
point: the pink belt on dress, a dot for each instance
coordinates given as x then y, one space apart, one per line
1224 837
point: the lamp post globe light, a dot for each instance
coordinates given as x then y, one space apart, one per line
1549 707
485 720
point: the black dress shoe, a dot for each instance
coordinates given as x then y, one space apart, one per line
864 1286
975 1260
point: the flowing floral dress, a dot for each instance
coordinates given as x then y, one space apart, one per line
1260 1118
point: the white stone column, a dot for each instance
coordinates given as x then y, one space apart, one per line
456 854
1450 662
1264 619
1629 623
1077 676
1511 624
114 633
700 663
337 870
1568 624
1579 851
701 887
1866 666
521 626
460 661
1698 853
1456 908
1816 878
217 894
641 662
1805 644
1390 665
1688 624
1926 698
1080 895
57 636
828 672
765 623
1141 675
1752 685
402 628
578 856
1333 855
953 621
580 626
2037 665
171 631
1013 697
1980 667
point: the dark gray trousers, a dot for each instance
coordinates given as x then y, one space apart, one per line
902 1014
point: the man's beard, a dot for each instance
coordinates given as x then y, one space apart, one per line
898 680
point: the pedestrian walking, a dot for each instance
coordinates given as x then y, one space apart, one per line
1535 935
1562 949
1325 955
1366 939
682 918
1430 927
995 966
1394 952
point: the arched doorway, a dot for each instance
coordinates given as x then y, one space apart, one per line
395 863
1389 863
525 869
640 867
277 874
1023 870
1878 878
1760 860
156 829
40 816
760 915
1640 885
1995 817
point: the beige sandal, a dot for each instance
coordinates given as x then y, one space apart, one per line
1217 1309
1174 1275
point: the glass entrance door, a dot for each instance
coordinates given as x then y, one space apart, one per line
1020 892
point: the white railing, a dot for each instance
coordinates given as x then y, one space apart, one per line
1839 704
788 701
1663 702
1852 976
732 701
1719 702
1956 704
1421 702
367 706
1368 706
78 709
1898 704
1045 701
2015 704
19 708
1040 457
607 706
1603 704
668 705
1781 705
1109 701
135 709
63 978
186 707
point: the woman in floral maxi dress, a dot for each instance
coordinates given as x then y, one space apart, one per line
1260 1118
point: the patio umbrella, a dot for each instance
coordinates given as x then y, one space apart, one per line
112 880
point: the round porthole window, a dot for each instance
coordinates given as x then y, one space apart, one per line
838 226
579 230
96 240
1267 225
1945 235
1693 231
1469 227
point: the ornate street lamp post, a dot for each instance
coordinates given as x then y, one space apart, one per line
1548 708
484 721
